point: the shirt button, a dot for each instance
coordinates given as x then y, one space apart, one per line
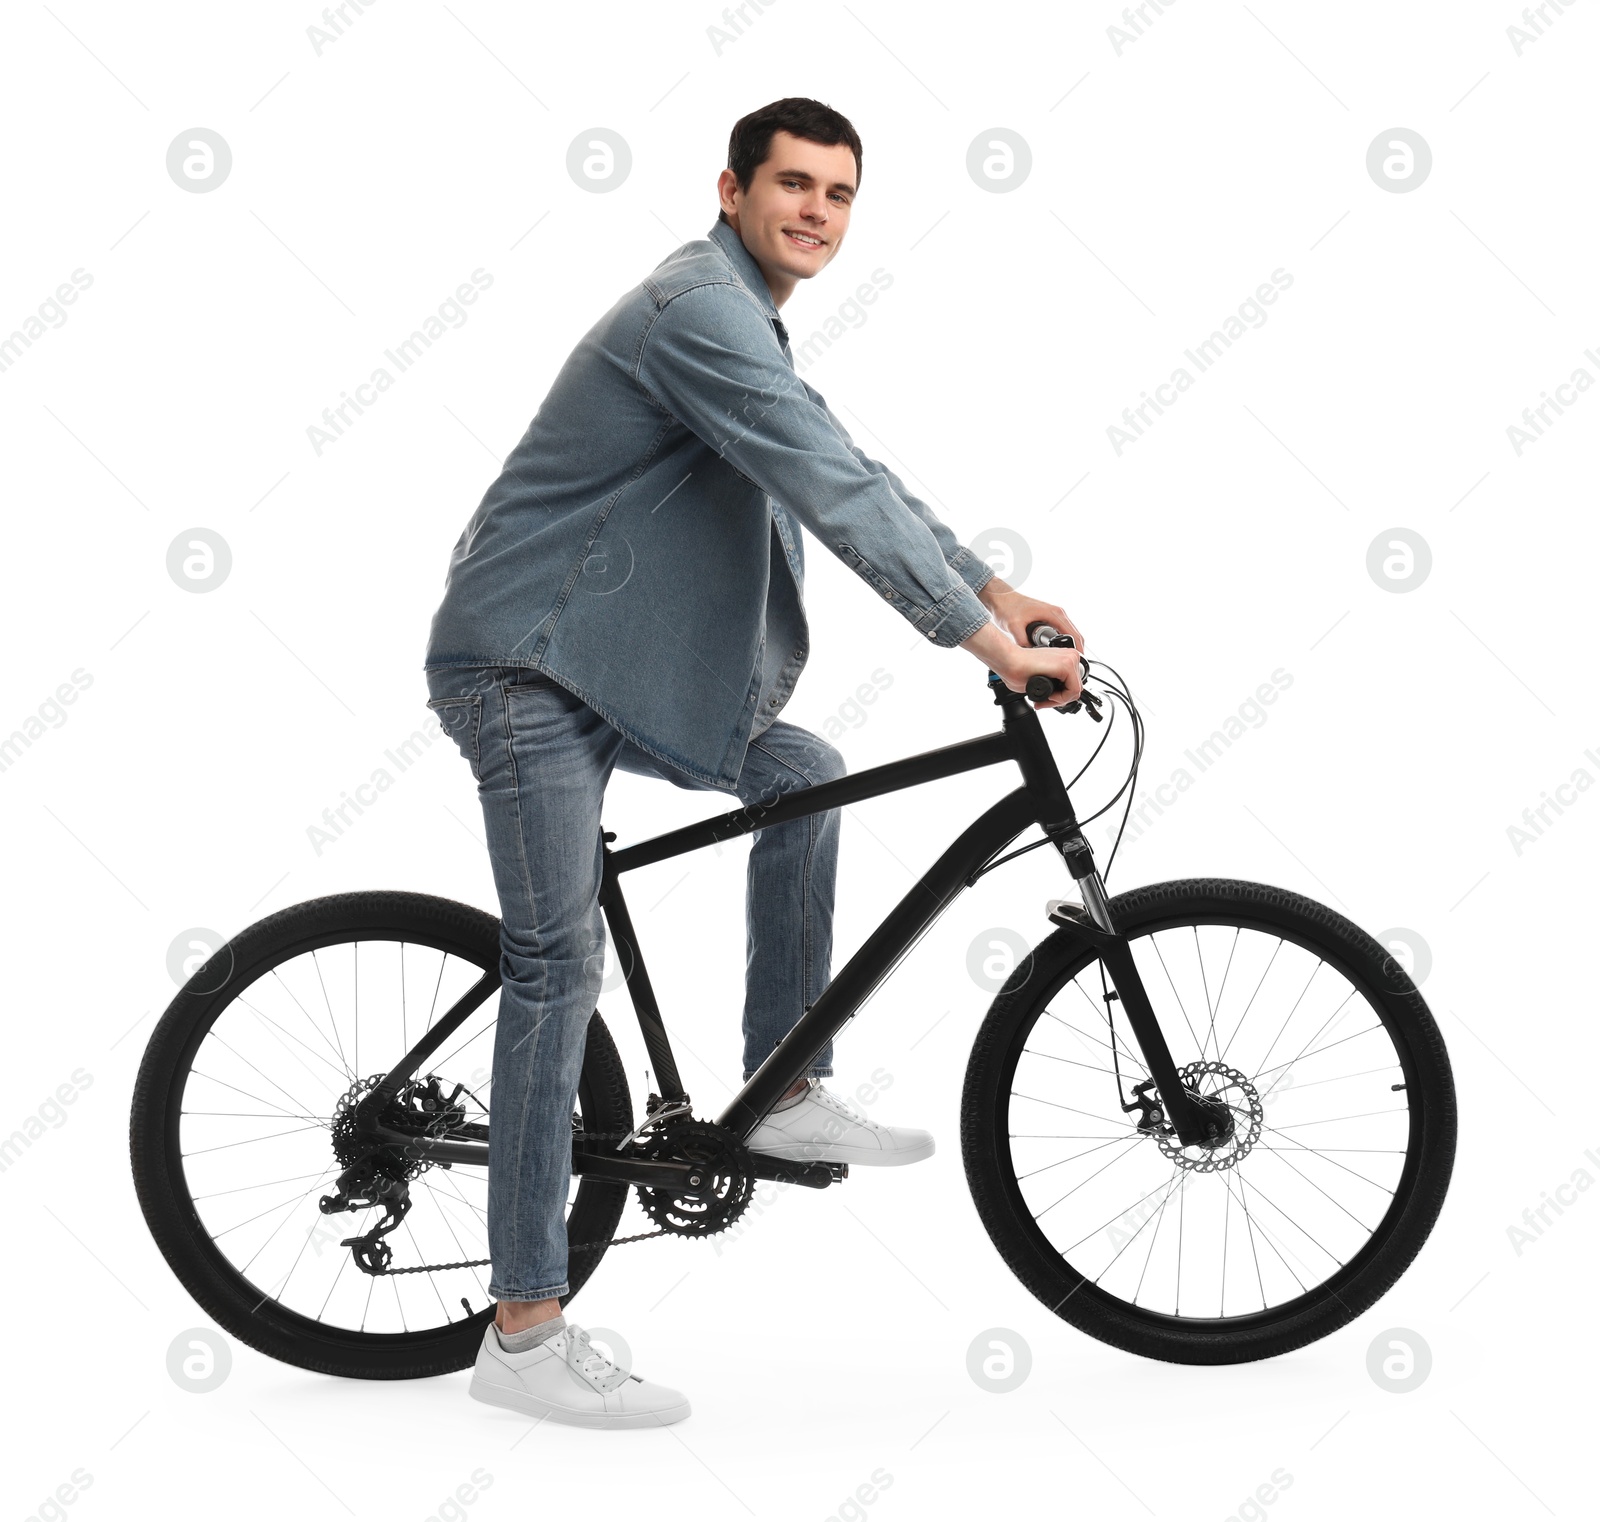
772 703
887 593
799 655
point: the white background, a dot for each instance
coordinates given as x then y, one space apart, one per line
1168 181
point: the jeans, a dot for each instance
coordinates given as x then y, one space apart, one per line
542 758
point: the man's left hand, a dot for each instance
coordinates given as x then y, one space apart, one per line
1014 611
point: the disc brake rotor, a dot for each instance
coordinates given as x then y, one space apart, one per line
1217 1086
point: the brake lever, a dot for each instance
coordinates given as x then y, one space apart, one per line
1086 700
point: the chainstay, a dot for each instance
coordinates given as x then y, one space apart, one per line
643 1236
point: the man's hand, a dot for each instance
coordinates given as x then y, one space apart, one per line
1014 663
1014 611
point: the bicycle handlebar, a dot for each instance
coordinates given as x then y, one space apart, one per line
1040 687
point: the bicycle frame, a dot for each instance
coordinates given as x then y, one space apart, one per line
1042 799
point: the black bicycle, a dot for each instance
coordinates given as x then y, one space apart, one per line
1259 1108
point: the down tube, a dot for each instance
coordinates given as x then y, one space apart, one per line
852 985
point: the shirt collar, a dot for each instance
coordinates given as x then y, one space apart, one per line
745 267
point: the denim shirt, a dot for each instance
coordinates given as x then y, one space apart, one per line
642 543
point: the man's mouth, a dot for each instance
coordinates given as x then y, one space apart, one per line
803 240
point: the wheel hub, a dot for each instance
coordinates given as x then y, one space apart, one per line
1230 1101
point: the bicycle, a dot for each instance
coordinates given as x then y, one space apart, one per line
1121 1022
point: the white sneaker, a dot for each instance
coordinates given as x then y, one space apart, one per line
567 1380
822 1128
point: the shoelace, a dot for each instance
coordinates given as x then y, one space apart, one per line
590 1364
838 1106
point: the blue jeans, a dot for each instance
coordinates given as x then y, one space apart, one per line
542 758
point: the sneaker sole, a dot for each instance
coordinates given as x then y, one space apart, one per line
521 1401
857 1157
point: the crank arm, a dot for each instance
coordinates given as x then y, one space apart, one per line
637 1170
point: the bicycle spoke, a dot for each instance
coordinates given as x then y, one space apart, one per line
1100 1014
444 956
1073 1061
323 984
1307 1056
1090 1113
1323 1192
1086 1151
1262 1194
1321 1152
1155 1236
1251 1004
1211 1014
1096 1174
201 1151
344 1066
212 1035
287 1114
1296 1005
1222 1294
266 1184
1223 988
1334 1120
1155 947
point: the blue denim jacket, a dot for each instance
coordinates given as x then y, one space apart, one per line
642 544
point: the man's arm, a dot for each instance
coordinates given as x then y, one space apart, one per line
958 557
1012 610
712 360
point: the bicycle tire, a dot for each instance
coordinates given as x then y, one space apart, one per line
221 1290
1422 1181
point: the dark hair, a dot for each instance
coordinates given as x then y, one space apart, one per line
751 139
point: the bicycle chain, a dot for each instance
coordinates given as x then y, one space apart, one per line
643 1236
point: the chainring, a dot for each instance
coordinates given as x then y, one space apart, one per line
728 1178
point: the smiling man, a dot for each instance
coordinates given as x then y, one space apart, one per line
628 596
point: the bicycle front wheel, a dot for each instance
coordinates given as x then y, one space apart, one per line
243 1119
1343 1126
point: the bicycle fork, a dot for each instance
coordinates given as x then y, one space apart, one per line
1190 1121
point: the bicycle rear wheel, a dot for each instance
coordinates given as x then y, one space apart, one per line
242 1100
1344 1124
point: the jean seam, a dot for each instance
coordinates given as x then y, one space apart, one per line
530 919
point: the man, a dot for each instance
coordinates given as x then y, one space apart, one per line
628 594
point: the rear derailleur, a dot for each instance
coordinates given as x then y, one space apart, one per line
381 1176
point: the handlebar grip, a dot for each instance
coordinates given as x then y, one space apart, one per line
1040 688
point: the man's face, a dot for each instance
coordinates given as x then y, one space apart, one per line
794 216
